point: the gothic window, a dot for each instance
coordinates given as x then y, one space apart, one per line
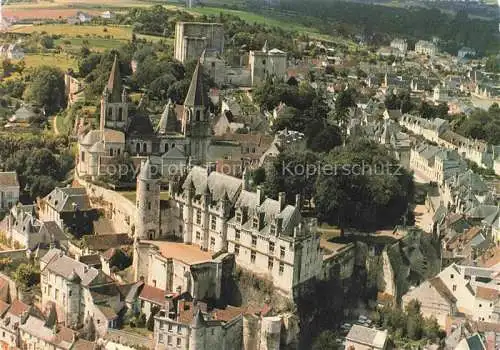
111 152
144 147
238 217
255 223
138 148
120 114
212 243
198 116
263 61
270 263
198 217
173 145
147 187
282 252
82 157
149 205
166 147
213 64
237 235
253 255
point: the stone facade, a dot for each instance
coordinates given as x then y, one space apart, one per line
192 38
9 189
171 143
267 63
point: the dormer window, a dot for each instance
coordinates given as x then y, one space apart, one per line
255 223
273 229
238 217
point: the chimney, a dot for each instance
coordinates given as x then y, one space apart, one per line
260 194
298 201
282 200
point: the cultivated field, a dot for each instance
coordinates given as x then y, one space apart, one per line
70 30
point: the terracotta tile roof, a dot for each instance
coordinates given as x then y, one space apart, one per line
187 311
189 254
487 293
8 178
18 307
3 307
486 327
152 294
82 344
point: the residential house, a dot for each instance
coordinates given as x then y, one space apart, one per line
365 338
24 227
400 44
79 293
192 325
425 48
70 208
10 320
9 189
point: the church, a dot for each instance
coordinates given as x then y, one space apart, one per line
172 143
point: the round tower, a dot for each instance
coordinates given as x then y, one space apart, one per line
198 330
147 223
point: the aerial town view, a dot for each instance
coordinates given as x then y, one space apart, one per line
249 174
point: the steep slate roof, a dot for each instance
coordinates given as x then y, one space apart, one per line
8 178
197 94
218 183
66 267
168 122
66 199
63 338
114 84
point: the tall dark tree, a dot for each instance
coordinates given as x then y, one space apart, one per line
47 89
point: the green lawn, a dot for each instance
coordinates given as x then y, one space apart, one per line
94 44
286 22
54 60
70 30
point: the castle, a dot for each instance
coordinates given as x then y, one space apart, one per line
175 140
219 213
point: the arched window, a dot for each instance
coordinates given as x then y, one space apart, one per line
144 147
138 147
166 147
263 61
120 114
173 145
110 113
111 152
118 151
198 116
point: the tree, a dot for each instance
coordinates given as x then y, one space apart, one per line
361 186
258 176
27 275
47 89
327 139
326 341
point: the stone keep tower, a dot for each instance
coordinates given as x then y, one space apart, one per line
195 118
147 223
197 332
114 106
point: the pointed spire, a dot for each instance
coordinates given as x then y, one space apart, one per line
197 95
114 85
168 121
